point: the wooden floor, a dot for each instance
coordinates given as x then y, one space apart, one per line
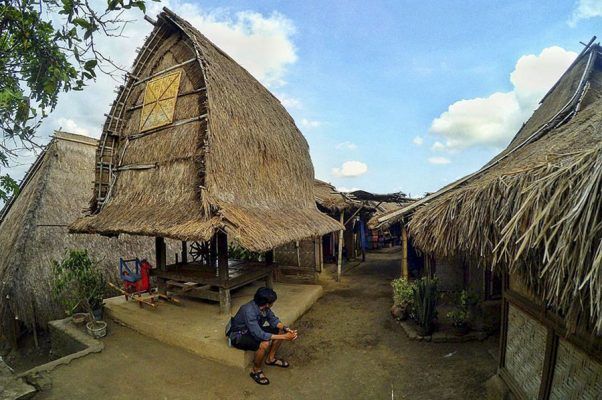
239 272
204 282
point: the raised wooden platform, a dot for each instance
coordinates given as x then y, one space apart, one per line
205 282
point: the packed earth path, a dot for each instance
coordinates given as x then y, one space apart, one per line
349 347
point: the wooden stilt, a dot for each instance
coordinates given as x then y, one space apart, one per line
184 252
213 251
340 255
404 253
222 266
160 253
297 245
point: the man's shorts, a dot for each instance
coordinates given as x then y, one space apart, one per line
248 341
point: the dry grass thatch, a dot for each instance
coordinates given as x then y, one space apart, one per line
34 231
330 199
536 209
233 158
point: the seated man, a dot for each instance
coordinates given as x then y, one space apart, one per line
247 332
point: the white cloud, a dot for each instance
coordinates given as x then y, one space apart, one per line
418 140
346 189
308 123
347 145
289 102
439 160
69 125
492 121
350 169
438 146
585 9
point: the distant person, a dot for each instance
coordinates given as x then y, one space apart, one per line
248 331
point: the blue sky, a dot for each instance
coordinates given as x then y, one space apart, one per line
398 95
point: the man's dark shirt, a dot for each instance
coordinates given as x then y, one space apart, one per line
250 319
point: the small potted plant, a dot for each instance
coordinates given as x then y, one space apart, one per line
425 304
79 285
403 298
460 321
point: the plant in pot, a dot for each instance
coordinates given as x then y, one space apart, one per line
460 321
79 285
403 298
425 304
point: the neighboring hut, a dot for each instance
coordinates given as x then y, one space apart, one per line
534 213
33 233
303 259
196 149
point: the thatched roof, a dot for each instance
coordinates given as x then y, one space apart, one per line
233 158
386 208
536 209
330 199
34 231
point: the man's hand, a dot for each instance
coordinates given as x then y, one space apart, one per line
290 335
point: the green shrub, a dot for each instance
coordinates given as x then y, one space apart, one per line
425 303
77 283
458 317
403 293
238 253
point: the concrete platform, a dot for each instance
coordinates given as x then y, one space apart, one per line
198 327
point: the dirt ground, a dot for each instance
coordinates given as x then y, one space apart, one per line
349 348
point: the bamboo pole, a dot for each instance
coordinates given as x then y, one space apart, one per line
340 255
404 252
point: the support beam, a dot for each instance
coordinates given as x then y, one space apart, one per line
213 251
184 252
222 268
340 255
404 252
160 253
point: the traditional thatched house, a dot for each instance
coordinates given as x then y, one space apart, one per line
534 213
33 232
195 149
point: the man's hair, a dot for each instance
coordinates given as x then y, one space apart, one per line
264 296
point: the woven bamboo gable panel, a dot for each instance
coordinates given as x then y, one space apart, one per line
576 376
525 351
159 104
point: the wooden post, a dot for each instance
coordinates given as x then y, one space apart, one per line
222 267
340 255
321 254
404 253
213 250
160 253
298 253
184 252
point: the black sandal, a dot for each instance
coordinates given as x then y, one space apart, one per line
260 378
278 363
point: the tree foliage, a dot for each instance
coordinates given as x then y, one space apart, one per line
48 47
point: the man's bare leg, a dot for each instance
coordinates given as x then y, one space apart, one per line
275 346
260 355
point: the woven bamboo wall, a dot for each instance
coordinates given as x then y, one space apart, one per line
576 376
525 351
287 254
